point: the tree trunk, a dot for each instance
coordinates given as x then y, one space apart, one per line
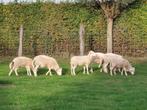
81 34
109 35
20 41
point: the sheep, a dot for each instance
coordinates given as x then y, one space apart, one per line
104 59
84 61
122 64
99 58
113 62
46 61
21 62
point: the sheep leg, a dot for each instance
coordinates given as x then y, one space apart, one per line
114 71
111 71
16 71
122 72
71 70
35 70
28 71
125 71
10 72
84 70
49 72
91 70
100 64
87 69
101 70
105 68
74 70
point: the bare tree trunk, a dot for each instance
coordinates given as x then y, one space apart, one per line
20 41
81 38
109 34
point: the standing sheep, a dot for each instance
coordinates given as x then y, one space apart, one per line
84 61
21 62
46 61
99 58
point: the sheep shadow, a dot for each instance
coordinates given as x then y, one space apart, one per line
5 83
42 71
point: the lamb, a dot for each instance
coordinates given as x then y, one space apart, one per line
46 61
84 61
21 62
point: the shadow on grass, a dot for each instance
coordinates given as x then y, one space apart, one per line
43 71
5 83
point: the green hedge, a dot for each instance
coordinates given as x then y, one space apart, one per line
47 24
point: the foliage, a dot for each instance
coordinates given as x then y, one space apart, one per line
52 22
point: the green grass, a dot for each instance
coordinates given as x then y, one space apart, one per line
97 91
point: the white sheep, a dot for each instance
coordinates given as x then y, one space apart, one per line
104 59
122 64
84 61
112 62
111 58
21 62
99 58
115 61
46 61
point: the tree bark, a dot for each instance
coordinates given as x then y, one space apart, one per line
109 35
20 41
81 38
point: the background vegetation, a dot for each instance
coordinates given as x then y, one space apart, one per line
53 29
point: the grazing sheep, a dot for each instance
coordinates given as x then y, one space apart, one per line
105 59
84 61
112 62
122 64
46 61
21 62
111 58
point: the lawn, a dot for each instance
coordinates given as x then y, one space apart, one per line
97 91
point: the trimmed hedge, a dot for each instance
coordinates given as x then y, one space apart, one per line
53 29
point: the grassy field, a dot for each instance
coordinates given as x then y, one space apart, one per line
97 91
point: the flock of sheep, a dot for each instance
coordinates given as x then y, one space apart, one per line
108 62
